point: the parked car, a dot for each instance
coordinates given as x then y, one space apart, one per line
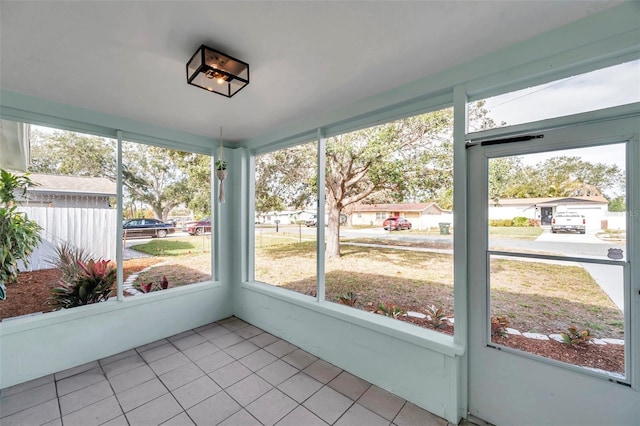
566 221
147 228
397 223
198 227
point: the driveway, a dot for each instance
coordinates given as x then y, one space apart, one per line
569 237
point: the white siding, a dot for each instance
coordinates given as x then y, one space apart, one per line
93 229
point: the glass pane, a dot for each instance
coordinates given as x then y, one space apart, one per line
73 201
167 226
564 203
389 192
604 88
567 311
570 202
286 216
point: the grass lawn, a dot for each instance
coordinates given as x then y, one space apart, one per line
516 232
528 293
535 296
183 260
175 246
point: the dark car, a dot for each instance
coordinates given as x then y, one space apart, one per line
198 227
147 228
397 223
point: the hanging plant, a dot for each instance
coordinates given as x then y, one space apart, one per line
221 170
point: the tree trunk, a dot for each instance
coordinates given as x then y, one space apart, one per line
333 231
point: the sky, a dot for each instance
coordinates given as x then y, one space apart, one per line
608 87
612 86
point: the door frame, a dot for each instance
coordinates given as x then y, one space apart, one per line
543 389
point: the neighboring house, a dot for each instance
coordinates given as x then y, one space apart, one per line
594 209
70 191
421 215
284 217
71 209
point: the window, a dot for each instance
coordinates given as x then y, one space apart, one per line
557 250
285 243
167 226
400 272
603 88
74 203
396 274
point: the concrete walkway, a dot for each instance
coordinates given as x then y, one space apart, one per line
133 254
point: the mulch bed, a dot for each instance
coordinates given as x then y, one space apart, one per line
33 289
604 357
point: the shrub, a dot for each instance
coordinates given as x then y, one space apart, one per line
19 236
150 286
349 299
520 221
389 310
67 258
575 337
436 316
533 222
93 284
499 326
500 222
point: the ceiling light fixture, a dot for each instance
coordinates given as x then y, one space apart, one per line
217 72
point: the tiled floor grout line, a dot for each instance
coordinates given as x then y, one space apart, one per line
114 395
55 385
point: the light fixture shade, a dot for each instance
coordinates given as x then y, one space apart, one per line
217 72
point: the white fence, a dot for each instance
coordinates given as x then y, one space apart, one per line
433 221
615 220
93 229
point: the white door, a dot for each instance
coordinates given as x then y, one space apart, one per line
528 286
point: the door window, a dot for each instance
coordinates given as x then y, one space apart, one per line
557 255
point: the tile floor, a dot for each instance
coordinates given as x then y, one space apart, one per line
226 373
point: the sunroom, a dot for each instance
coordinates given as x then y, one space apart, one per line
479 101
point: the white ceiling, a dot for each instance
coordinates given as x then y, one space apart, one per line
128 58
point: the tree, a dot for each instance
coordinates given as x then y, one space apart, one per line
562 176
618 204
151 178
286 178
503 173
69 153
19 236
405 159
197 168
409 159
158 177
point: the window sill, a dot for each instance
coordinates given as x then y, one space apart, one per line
429 339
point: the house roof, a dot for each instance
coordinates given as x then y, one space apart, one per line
128 59
549 200
72 184
398 207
